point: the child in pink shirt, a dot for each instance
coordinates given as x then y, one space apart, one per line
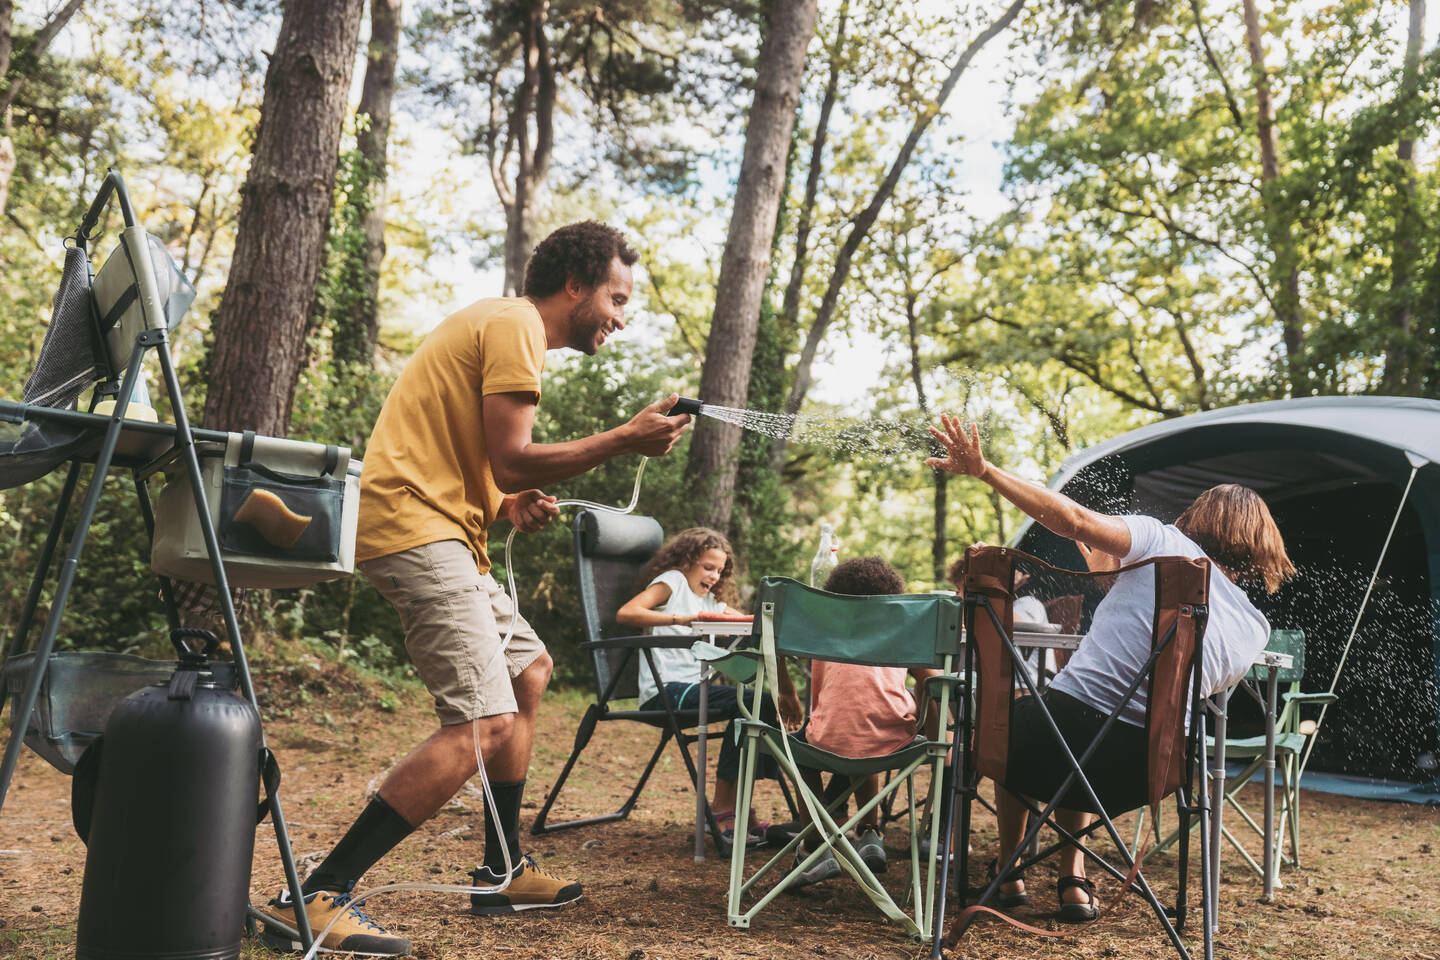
860 711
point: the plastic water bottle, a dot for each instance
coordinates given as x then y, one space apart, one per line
825 557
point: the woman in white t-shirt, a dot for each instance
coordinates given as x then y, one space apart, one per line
693 573
1231 526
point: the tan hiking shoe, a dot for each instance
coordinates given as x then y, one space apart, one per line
530 889
352 933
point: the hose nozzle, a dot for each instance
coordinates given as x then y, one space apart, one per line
686 405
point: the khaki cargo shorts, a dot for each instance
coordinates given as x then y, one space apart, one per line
455 619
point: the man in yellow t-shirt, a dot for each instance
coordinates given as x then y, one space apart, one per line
450 455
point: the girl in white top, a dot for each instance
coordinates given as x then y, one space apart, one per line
1231 526
693 573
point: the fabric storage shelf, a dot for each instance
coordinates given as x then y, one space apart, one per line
76 697
284 512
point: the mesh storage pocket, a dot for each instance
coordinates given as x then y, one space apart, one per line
265 513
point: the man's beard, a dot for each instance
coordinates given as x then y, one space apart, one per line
585 323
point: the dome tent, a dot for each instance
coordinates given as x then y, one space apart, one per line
1350 481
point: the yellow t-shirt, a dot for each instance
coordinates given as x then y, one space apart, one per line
427 473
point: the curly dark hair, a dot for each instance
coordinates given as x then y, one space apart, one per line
864 577
582 251
685 549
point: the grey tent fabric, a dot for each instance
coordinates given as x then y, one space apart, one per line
67 358
1332 470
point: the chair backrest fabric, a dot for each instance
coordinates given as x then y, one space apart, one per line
67 363
611 549
1291 642
909 630
1181 588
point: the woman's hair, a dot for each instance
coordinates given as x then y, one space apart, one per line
1234 528
684 550
581 251
864 577
956 572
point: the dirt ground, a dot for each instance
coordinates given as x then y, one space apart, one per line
1369 886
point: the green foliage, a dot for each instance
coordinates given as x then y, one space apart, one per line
1141 165
346 294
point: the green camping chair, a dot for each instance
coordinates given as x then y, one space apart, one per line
1291 734
896 631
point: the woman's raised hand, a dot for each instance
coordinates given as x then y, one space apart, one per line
964 456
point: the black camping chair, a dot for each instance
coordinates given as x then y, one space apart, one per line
102 329
1174 755
610 551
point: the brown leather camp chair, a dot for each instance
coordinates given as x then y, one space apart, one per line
1174 756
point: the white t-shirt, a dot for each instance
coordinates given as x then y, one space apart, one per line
1118 643
1031 610
678 665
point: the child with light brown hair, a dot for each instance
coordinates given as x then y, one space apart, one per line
693 573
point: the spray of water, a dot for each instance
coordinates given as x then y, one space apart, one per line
877 437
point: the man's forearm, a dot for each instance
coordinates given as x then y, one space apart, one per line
537 465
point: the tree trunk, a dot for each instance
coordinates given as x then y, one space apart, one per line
259 328
373 141
520 195
1400 375
861 227
725 377
38 45
790 311
938 541
1285 271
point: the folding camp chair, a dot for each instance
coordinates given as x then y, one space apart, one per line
1173 759
896 631
104 345
611 549
1291 734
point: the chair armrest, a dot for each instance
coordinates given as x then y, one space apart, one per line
739 665
1306 698
943 680
671 642
932 696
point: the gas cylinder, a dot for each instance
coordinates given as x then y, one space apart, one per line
172 822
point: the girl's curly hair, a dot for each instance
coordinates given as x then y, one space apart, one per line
685 549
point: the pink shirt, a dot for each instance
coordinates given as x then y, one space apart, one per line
859 711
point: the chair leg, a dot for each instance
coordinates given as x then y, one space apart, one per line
1292 809
1182 858
582 739
734 916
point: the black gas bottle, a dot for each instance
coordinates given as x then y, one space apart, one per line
171 825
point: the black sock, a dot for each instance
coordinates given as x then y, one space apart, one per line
375 833
507 802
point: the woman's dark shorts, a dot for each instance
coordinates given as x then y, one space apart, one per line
1037 766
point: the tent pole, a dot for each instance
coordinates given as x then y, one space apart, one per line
1416 462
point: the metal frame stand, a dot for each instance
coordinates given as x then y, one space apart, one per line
184 445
